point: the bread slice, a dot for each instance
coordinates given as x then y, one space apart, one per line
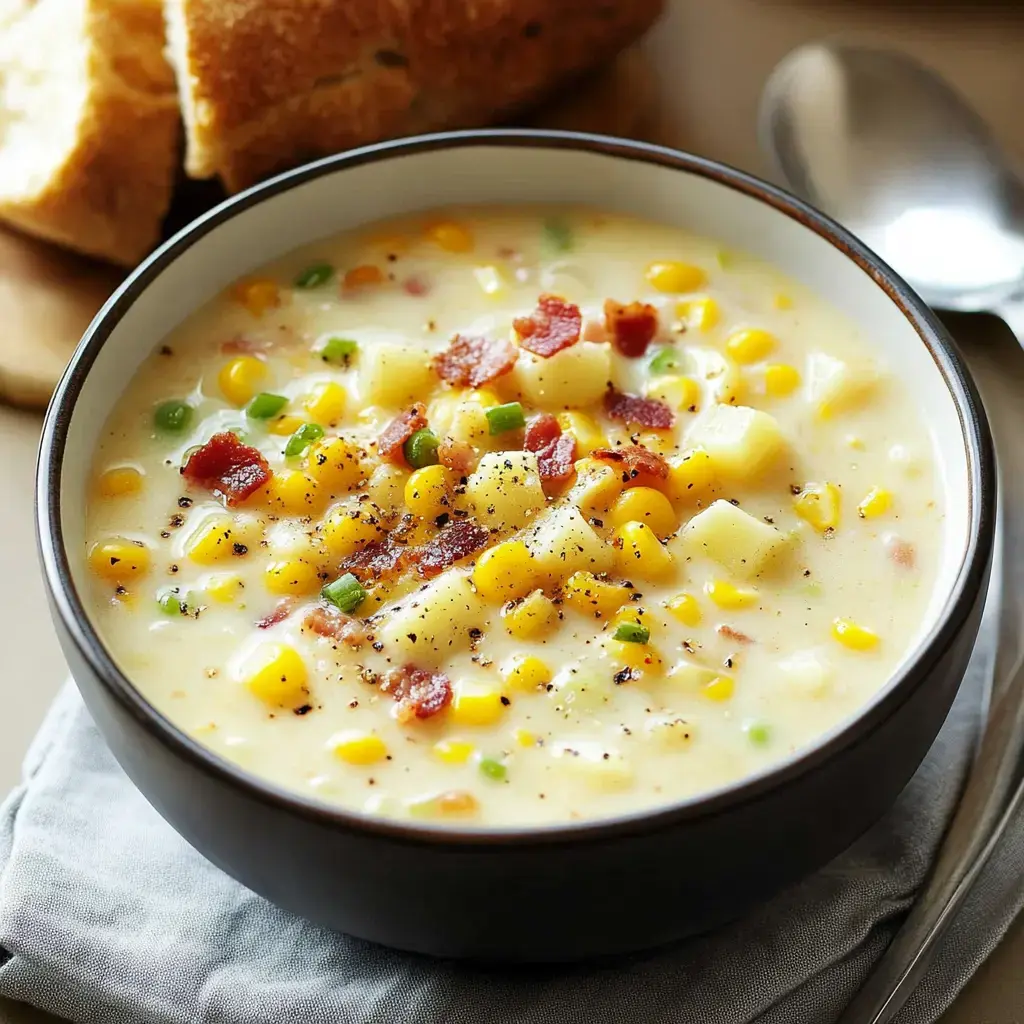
89 123
266 84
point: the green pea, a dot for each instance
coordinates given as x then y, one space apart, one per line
303 438
173 417
667 359
759 733
421 449
265 405
170 603
493 769
339 351
315 276
632 633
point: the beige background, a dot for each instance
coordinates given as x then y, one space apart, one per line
711 57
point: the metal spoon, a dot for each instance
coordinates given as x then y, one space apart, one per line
890 150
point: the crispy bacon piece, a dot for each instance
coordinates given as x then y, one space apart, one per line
556 452
419 694
900 551
555 324
380 559
399 430
281 611
458 540
335 625
640 466
734 634
228 468
641 412
458 456
240 346
632 326
471 361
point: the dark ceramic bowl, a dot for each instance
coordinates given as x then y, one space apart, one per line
580 889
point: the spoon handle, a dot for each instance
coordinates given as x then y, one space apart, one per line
995 787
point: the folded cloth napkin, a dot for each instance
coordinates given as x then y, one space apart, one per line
107 915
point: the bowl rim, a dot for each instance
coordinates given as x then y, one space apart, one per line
68 607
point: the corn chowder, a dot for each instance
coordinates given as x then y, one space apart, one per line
512 516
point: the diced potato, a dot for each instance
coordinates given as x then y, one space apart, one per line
734 539
599 766
579 691
689 676
563 542
835 386
724 378
574 377
671 732
743 443
505 490
806 673
469 424
392 374
387 485
597 485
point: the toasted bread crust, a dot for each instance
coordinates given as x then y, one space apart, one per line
266 84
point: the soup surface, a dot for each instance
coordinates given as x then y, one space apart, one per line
506 516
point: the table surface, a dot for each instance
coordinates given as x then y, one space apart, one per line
711 59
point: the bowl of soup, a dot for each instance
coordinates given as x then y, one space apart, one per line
517 545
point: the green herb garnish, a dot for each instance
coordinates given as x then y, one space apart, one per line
346 593
501 418
315 276
302 439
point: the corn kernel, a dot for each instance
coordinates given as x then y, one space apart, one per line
719 689
674 276
531 617
524 738
490 280
692 477
453 751
645 505
120 481
452 802
781 379
259 295
347 530
482 707
241 378
327 403
336 464
505 572
364 275
119 559
277 675
587 433
426 492
639 553
642 657
677 392
215 541
699 314
818 504
291 576
293 492
685 609
854 636
450 236
285 426
876 503
526 672
359 748
782 301
750 345
730 597
223 587
593 597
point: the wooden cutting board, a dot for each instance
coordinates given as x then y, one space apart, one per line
48 296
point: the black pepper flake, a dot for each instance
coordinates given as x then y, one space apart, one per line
304 709
176 521
505 701
166 350
475 633
795 489
173 569
624 675
239 549
120 591
165 534
442 520
184 502
807 572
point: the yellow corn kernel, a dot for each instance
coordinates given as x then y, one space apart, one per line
276 674
855 442
358 747
450 236
854 636
876 503
426 492
347 530
453 751
750 345
685 609
719 689
593 597
680 393
327 403
781 379
526 672
452 802
291 576
692 477
363 275
482 707
285 426
119 559
531 617
639 553
241 378
490 279
293 492
645 505
505 572
643 657
782 301
818 504
587 433
524 738
699 314
214 541
728 596
223 587
674 276
336 464
120 481
258 295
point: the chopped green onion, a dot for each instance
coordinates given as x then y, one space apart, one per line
339 351
421 449
667 360
346 593
303 438
505 417
632 633
759 733
265 405
557 234
171 604
173 417
493 769
315 276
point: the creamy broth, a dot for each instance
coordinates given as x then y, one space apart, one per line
631 629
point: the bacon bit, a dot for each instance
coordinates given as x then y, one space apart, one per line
459 539
363 275
244 347
335 625
416 286
458 456
734 634
228 468
556 452
555 324
398 431
380 559
419 694
900 551
472 361
632 327
281 612
642 412
640 466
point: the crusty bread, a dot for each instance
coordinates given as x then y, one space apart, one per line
266 84
89 123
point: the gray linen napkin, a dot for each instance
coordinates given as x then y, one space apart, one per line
107 915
